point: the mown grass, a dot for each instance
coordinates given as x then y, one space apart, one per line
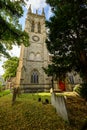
29 114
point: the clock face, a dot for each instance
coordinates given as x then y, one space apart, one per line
35 38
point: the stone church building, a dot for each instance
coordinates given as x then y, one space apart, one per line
30 73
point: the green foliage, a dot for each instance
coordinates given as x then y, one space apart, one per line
67 37
10 67
83 91
10 29
3 51
77 88
5 92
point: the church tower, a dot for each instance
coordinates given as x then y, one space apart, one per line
30 73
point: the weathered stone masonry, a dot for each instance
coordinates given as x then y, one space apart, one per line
30 75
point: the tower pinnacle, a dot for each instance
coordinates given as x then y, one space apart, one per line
36 11
30 11
43 13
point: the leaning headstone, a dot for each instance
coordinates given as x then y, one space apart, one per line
14 95
59 103
16 92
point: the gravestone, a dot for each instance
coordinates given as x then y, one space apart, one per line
59 103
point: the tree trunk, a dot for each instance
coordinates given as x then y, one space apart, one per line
83 61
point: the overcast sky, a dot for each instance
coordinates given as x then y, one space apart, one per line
35 4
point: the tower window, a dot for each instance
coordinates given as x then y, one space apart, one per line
34 77
38 57
31 56
32 26
39 28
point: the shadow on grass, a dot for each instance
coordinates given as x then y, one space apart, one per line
17 103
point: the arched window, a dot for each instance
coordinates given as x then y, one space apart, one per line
32 26
31 56
39 28
34 77
38 57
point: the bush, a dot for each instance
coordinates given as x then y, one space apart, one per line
77 89
5 92
83 91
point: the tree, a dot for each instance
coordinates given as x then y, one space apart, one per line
67 38
0 86
10 67
10 29
3 51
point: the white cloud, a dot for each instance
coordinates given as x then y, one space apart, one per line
36 4
2 59
1 71
49 13
15 51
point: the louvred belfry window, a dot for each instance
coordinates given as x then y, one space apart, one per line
32 26
39 28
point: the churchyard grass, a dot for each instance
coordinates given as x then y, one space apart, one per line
28 113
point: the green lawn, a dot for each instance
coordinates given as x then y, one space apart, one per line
29 114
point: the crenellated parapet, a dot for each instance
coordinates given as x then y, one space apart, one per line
35 22
31 12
